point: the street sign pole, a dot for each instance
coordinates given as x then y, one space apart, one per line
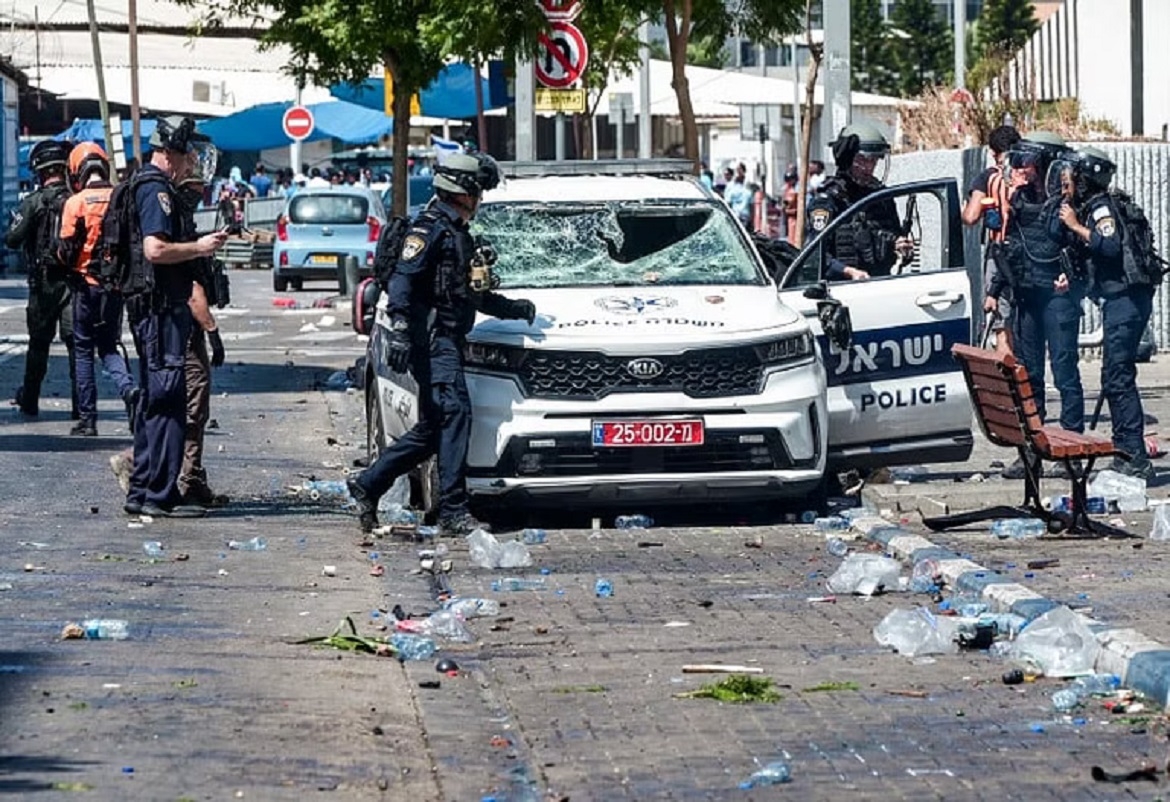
525 111
620 121
294 150
645 120
560 124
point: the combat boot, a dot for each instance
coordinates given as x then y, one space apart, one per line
367 506
85 427
28 406
461 525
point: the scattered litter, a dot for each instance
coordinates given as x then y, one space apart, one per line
603 588
338 380
5 586
1018 528
326 321
865 574
674 624
516 583
473 608
412 647
1050 562
534 537
329 570
917 632
222 572
442 624
1149 773
1128 493
832 687
775 773
308 328
252 544
351 641
97 629
736 689
719 668
285 303
905 474
378 570
651 544
1059 643
487 552
32 544
446 666
910 694
1161 530
928 772
822 599
632 522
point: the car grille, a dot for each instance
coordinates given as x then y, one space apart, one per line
575 455
589 375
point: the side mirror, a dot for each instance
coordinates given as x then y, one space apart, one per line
836 323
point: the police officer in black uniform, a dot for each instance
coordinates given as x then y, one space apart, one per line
35 231
432 306
872 243
1089 220
160 316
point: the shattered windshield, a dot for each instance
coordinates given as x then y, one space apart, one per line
616 244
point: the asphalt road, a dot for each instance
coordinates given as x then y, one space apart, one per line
563 695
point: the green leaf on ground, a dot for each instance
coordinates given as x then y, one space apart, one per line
351 641
829 687
78 705
580 689
737 689
73 786
185 683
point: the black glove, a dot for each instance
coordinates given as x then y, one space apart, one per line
845 150
523 309
217 354
398 351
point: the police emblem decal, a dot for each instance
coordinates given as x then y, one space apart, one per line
633 305
412 247
164 202
820 219
1106 227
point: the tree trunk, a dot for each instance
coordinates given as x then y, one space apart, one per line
678 32
400 104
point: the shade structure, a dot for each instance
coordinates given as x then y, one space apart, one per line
90 130
261 127
450 96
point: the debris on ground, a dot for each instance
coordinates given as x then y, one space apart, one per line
351 641
917 632
720 668
736 689
865 575
832 687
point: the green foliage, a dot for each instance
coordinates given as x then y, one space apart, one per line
923 48
830 687
707 51
871 55
1005 26
737 689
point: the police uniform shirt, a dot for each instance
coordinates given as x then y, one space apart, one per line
1104 245
832 199
158 216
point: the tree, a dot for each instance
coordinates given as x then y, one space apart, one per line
873 70
611 28
1005 26
924 47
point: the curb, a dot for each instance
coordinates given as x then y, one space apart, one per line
1142 663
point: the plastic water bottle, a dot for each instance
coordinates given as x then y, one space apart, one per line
153 549
834 523
808 516
771 774
412 647
533 537
254 544
603 588
512 583
397 514
1096 505
908 473
1065 700
1017 528
633 522
1096 684
323 489
837 547
473 608
106 629
972 609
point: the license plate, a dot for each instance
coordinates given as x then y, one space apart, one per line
323 259
648 433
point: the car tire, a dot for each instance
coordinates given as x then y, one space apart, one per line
424 489
297 284
375 429
279 282
342 284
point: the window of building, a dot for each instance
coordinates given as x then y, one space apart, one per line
772 56
748 54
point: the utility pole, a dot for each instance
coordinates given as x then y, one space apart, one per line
645 118
837 109
135 114
960 44
97 65
525 110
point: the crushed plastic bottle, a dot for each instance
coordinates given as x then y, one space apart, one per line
106 629
253 544
922 578
1128 492
633 522
153 549
837 547
338 380
1018 528
412 647
603 588
1065 700
514 583
833 523
395 513
320 489
441 623
472 607
427 532
775 773
533 537
908 473
808 516
1096 684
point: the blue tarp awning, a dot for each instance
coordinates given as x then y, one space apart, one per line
93 131
451 95
261 127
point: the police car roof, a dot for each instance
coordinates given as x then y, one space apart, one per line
589 188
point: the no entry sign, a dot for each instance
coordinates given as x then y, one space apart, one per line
298 123
563 56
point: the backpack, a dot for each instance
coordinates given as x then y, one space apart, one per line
365 298
1140 259
118 262
47 232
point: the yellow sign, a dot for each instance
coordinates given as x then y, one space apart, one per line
571 101
388 97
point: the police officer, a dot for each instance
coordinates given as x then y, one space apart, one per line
1089 219
193 486
34 230
160 316
97 313
873 242
432 303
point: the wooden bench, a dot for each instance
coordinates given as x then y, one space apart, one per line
1005 405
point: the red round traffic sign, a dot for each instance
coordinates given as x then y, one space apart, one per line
563 56
560 10
297 123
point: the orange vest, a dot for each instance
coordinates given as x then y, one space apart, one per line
1001 193
81 223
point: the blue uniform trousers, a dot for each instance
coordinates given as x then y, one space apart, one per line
161 341
97 325
1123 320
1047 321
443 428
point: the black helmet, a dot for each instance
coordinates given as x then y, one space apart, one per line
177 133
48 154
465 173
1095 168
1039 148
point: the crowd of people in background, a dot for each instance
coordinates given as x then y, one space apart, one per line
760 213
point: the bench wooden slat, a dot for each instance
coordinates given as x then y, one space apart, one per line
1006 435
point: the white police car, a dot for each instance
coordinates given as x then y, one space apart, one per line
663 365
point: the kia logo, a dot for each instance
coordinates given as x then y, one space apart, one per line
644 368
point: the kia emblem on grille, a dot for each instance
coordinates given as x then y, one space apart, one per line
644 368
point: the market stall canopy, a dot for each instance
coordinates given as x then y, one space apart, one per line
260 127
450 96
89 130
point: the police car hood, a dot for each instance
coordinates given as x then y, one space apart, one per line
633 319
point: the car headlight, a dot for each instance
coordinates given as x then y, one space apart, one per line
491 357
787 349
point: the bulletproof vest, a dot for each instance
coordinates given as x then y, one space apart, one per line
1036 259
454 310
867 240
43 244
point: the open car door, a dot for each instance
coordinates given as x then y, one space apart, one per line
896 396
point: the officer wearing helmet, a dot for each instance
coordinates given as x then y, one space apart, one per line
433 299
97 312
34 231
1046 294
162 270
1090 222
872 243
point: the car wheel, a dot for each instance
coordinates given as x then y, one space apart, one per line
375 429
279 282
424 489
298 284
342 284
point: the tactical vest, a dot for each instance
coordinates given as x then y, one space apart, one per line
43 255
1034 258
